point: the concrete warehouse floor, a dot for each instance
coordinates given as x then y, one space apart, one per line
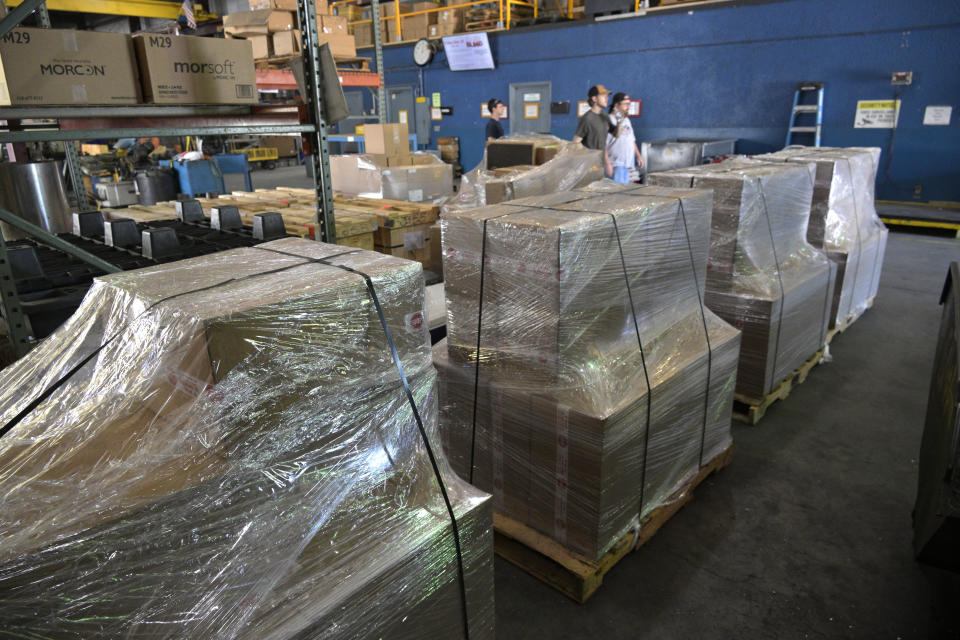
807 534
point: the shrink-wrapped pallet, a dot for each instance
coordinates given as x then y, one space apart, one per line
224 447
844 221
567 166
582 381
763 276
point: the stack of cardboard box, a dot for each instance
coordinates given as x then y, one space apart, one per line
449 150
449 21
595 384
270 26
844 221
389 170
240 452
763 276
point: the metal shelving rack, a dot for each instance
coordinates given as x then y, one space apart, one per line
73 123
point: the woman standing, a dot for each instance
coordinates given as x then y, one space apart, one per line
621 144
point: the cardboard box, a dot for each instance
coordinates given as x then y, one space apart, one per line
412 237
333 24
262 46
283 5
382 160
187 69
363 34
260 22
341 44
416 27
286 146
65 66
387 139
286 43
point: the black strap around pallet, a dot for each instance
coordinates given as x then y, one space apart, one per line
776 260
371 290
706 331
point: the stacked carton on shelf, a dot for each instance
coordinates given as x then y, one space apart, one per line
763 276
583 383
270 26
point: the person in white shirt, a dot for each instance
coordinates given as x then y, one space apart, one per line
621 149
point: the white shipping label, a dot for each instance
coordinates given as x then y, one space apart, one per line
937 116
413 241
415 195
561 474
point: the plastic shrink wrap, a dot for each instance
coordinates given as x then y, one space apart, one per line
582 381
763 276
428 179
570 166
222 447
936 516
844 221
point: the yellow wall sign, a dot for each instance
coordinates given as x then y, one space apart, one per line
876 114
531 110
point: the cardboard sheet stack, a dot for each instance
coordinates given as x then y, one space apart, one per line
226 451
579 411
763 276
551 165
844 221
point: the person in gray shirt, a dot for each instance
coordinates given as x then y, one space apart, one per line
594 125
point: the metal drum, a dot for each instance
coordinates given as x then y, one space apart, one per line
34 191
156 185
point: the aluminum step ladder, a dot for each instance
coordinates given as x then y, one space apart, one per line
803 107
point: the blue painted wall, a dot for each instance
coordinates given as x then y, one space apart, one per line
731 72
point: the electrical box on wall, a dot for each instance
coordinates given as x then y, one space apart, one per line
901 77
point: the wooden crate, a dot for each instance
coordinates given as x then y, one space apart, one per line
572 574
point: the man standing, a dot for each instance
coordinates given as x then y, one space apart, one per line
494 128
594 126
622 148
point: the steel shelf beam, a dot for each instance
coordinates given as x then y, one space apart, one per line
40 135
129 111
15 17
135 8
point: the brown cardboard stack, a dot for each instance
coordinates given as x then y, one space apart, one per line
449 22
763 277
844 221
414 27
270 26
241 453
406 234
578 432
40 67
517 151
449 150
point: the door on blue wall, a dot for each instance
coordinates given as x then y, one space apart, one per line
355 106
401 103
530 107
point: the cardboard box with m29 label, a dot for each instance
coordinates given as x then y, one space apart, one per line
65 66
189 69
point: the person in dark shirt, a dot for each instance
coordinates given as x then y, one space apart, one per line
594 125
494 128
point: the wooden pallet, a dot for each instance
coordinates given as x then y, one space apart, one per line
751 410
843 325
571 573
